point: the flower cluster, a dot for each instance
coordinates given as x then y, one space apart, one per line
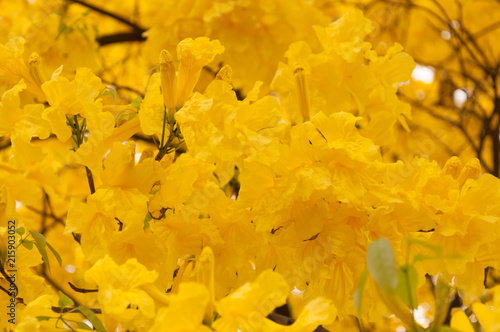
201 210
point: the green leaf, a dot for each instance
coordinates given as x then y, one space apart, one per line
448 329
358 295
112 91
83 326
438 256
419 257
381 264
66 324
62 27
132 115
20 230
147 219
407 285
27 244
442 294
64 301
136 103
433 247
56 254
40 244
93 319
42 318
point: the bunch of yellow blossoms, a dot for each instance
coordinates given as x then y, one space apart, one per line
196 210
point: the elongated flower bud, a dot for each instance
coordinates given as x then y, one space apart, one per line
36 71
205 276
303 95
193 55
184 272
156 294
168 83
471 170
452 167
225 74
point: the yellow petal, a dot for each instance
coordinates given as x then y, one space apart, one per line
460 321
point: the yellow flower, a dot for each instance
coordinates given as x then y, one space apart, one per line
205 276
120 294
12 64
121 170
41 306
95 225
168 83
247 307
317 312
193 55
26 122
489 316
71 98
460 321
339 130
185 311
345 36
152 108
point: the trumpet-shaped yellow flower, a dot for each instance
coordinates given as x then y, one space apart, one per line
26 122
317 312
345 36
71 98
193 55
185 311
120 293
13 65
247 307
28 321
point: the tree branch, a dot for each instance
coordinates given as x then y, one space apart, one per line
82 290
134 36
90 178
58 310
134 26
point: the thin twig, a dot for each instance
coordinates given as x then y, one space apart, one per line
109 14
90 178
58 310
121 37
82 290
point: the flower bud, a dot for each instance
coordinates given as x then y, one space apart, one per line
168 83
184 272
302 92
471 170
205 276
36 71
452 167
225 74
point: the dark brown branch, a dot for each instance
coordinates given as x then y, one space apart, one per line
486 30
121 37
82 290
90 178
146 139
77 237
120 224
58 310
134 26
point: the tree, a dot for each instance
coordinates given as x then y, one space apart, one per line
201 166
